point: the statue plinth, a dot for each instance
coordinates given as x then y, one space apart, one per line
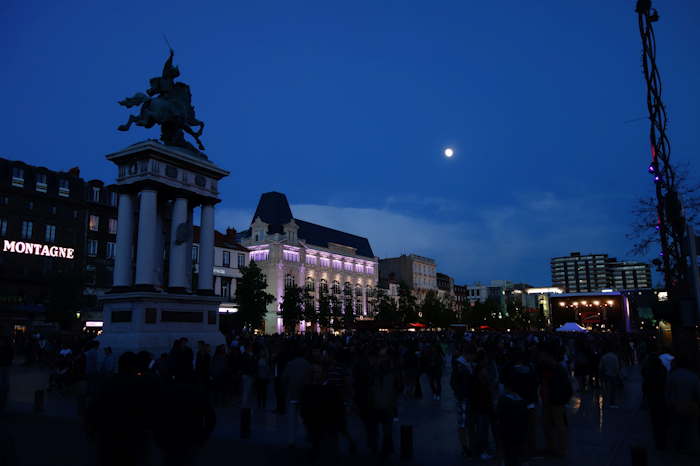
155 297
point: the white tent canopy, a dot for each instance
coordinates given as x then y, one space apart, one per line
571 327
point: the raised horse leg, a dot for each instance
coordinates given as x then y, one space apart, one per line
127 125
195 135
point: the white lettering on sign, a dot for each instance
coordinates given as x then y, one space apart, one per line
20 247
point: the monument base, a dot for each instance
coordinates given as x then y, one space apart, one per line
152 321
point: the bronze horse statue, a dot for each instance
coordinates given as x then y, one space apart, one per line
172 109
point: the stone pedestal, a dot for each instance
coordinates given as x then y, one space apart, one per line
151 321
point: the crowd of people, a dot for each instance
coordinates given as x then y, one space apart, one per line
507 387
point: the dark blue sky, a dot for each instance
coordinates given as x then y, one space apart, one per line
347 106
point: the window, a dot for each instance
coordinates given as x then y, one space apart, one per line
195 254
113 198
323 286
336 287
226 262
359 268
311 260
111 249
292 236
291 256
258 256
52 210
4 200
30 205
92 247
369 269
50 233
18 177
310 284
325 262
348 266
337 265
241 260
63 187
358 290
3 226
41 182
76 214
94 223
347 289
95 194
225 287
26 230
112 225
289 281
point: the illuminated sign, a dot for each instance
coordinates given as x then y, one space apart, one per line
20 247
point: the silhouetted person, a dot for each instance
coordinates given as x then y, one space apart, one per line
512 415
323 412
202 365
185 421
181 359
654 387
683 395
6 356
121 418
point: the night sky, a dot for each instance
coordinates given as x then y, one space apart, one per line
347 106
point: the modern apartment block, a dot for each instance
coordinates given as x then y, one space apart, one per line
589 273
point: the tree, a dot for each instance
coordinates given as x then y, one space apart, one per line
435 313
348 313
336 312
292 307
386 310
645 215
480 313
65 297
309 313
251 297
324 311
408 308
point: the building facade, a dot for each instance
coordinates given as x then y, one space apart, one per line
418 273
43 216
587 273
294 252
626 275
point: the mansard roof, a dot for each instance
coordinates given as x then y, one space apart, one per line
273 209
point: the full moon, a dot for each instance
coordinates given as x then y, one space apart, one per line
449 152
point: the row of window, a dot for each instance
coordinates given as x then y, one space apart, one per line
93 244
336 264
310 285
225 258
28 230
41 185
94 224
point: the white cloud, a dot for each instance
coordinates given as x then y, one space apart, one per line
513 242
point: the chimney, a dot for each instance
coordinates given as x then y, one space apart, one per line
75 171
231 234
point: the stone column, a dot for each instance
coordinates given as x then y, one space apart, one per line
145 266
179 260
206 249
125 235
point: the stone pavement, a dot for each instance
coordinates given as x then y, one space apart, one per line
600 437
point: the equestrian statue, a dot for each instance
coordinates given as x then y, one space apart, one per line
168 104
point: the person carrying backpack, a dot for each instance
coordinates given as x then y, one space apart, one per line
462 383
555 392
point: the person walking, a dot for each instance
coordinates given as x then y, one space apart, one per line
610 376
654 376
296 375
6 357
462 381
683 394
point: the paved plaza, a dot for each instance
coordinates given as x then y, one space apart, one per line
597 436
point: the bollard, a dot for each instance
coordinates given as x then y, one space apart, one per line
640 456
39 401
406 442
245 423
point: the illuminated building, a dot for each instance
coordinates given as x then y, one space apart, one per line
294 252
588 273
58 210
